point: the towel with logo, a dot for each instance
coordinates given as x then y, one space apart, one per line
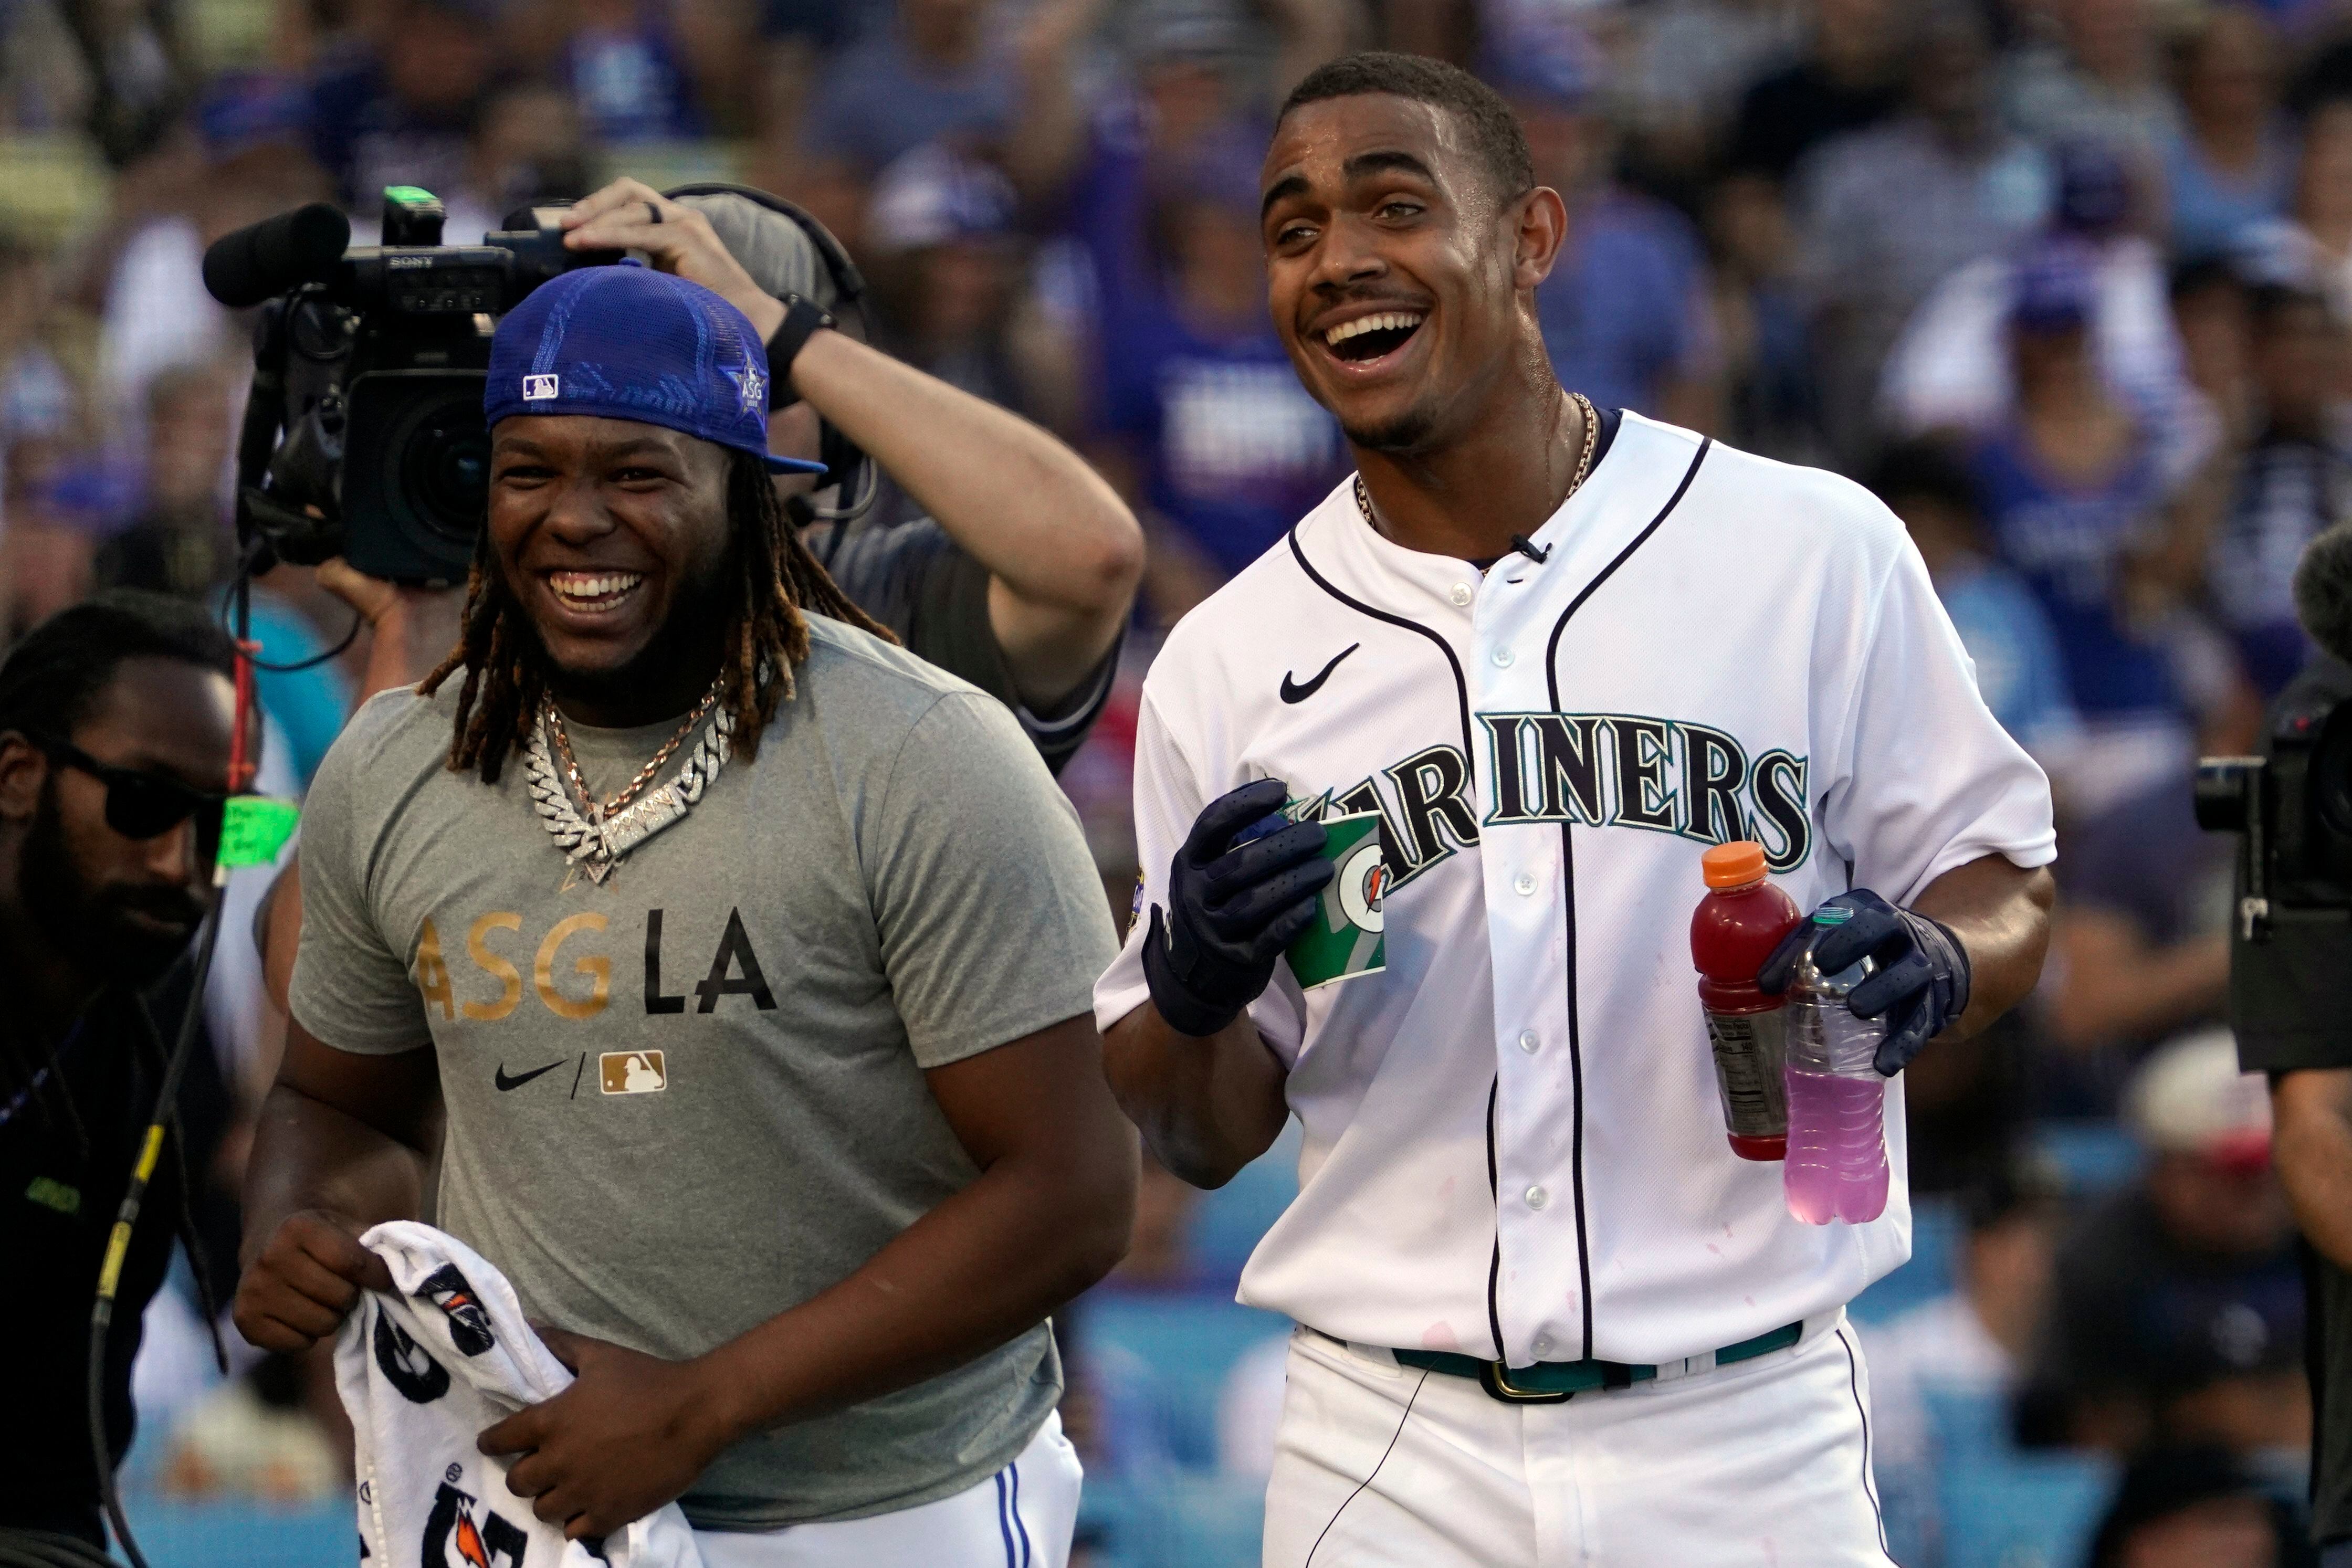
422 1373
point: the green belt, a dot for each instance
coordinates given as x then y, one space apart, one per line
1551 1382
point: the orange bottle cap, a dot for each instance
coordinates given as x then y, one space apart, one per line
1733 865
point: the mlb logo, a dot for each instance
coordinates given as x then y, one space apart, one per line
537 389
633 1072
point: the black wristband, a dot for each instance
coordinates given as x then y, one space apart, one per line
802 320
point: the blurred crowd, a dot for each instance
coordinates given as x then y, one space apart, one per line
2066 282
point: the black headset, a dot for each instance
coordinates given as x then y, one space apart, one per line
846 465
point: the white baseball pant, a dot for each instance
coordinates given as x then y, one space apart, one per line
1761 1464
1021 1517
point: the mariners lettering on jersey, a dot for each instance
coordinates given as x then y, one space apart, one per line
1598 771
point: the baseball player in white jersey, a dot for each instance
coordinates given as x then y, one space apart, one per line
1547 1316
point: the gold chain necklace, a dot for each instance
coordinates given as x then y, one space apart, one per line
1583 463
597 813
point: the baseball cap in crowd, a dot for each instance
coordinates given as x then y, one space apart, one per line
2051 290
629 342
2189 1098
934 196
2166 1481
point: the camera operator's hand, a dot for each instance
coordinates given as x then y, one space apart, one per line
303 1282
411 628
629 214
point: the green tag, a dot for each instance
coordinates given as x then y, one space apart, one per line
1345 940
50 1193
254 828
408 195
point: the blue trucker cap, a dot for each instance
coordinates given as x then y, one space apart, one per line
629 342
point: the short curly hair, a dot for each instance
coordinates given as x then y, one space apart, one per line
1496 138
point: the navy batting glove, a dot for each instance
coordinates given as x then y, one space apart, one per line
1921 982
1239 892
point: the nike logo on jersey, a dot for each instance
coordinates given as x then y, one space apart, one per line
1293 693
504 1083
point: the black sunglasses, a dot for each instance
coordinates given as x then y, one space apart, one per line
144 805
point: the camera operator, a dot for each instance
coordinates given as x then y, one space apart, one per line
1021 579
2290 1004
115 722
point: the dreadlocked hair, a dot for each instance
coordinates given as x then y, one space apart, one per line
776 584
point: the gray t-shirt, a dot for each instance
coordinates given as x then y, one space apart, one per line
685 1101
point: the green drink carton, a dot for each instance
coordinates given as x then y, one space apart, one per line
1345 938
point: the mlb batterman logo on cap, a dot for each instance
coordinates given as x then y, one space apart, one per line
629 342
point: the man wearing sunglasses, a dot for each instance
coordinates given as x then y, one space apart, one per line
115 723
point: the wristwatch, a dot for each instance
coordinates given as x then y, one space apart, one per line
802 320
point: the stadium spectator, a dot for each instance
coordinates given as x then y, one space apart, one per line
1625 311
2138 947
628 72
2311 247
2074 488
2228 164
401 109
946 265
2295 480
2178 1309
2098 77
1942 1375
1847 79
1884 213
1769 402
2195 1506
2001 624
1203 421
180 541
1951 370
2209 311
939 71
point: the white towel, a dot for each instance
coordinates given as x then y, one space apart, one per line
422 1373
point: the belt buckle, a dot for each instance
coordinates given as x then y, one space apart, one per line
1494 1377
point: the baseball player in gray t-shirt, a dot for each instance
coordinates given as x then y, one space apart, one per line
747 958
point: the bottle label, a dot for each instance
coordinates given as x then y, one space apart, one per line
1750 1051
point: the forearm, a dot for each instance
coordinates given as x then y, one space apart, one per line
307 1155
1026 506
2001 914
2142 992
986 1265
1206 1106
2311 1150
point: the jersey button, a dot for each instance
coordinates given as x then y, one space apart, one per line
1525 884
1543 1344
1462 593
1537 1197
1502 657
1528 1041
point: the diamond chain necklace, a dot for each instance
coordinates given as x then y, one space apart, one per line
595 812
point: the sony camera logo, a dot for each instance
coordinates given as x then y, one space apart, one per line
537 389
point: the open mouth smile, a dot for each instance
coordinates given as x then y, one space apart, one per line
1370 339
594 592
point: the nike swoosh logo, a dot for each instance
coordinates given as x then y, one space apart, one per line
517 1082
1292 692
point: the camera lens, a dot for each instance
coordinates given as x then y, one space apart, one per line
445 468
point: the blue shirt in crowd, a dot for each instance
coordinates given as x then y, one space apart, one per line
879 99
2066 541
2019 670
1232 449
1622 313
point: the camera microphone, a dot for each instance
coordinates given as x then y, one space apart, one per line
2323 591
271 256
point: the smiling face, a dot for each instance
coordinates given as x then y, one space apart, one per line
1400 280
612 536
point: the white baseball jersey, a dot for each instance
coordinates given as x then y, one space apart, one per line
1512 1134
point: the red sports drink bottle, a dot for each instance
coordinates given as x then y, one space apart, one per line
1733 931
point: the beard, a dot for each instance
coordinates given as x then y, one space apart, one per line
1404 435
86 922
